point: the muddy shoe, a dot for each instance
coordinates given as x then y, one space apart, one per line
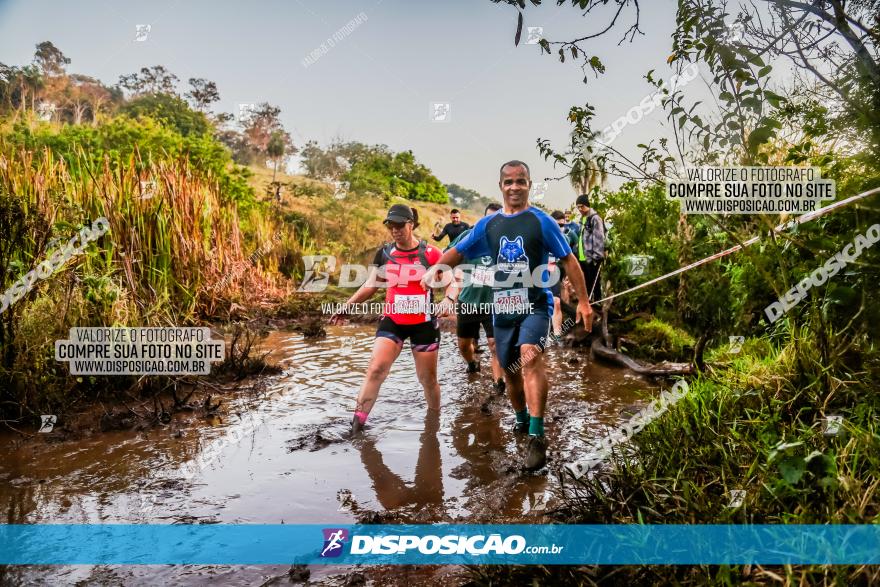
356 426
473 367
536 457
521 428
499 387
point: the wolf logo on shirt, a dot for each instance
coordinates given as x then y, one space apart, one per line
512 256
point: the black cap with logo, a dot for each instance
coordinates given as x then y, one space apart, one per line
399 213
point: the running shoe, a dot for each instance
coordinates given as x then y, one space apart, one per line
499 387
521 428
356 426
536 457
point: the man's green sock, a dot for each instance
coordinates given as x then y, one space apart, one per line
522 417
536 426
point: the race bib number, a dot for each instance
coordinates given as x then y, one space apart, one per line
415 304
511 301
483 276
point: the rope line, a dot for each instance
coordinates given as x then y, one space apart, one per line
791 223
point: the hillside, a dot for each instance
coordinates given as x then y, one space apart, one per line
349 226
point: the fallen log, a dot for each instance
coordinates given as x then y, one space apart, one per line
661 369
578 336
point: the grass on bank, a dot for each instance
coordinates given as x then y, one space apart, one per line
753 423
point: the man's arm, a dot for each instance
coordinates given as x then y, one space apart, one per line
576 278
451 258
440 236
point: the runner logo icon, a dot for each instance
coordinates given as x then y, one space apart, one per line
334 538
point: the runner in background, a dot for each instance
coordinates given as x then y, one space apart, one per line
399 266
591 246
569 229
556 289
470 299
572 223
519 240
453 229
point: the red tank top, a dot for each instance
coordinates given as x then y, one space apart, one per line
406 301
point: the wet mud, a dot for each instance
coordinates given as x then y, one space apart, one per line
289 458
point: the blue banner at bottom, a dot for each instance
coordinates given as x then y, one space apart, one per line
65 544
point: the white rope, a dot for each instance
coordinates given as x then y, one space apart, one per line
799 220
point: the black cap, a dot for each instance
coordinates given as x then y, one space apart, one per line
399 213
583 199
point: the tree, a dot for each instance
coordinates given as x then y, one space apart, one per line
8 75
30 81
169 110
587 172
203 93
331 164
86 94
152 80
275 150
836 41
50 59
463 197
259 127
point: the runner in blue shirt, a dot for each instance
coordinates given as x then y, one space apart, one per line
520 240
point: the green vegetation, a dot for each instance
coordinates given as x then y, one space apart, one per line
465 198
754 418
374 171
196 233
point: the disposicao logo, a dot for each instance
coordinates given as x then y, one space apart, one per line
334 538
450 544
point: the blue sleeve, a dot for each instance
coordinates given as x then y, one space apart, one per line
473 244
457 240
555 240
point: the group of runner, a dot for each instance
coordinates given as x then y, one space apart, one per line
501 253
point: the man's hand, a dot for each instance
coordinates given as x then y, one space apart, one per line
584 315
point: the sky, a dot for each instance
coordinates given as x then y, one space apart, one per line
378 82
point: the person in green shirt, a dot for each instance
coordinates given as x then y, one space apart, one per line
471 304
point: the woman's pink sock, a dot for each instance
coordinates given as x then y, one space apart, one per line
361 416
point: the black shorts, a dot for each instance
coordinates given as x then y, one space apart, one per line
424 337
468 325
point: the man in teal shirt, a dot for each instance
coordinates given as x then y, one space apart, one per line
471 304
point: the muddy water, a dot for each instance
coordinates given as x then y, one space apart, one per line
285 457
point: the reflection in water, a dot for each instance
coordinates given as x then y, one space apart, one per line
289 469
427 489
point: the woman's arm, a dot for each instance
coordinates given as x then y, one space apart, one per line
365 292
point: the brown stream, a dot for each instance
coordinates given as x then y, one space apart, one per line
285 457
